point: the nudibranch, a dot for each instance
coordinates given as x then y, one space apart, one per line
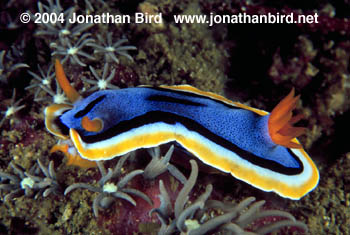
253 145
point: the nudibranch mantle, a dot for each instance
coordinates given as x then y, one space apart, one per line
226 135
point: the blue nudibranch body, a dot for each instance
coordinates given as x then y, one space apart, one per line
253 145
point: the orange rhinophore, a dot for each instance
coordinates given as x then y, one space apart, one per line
71 93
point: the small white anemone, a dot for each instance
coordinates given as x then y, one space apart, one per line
102 84
46 82
11 110
72 50
59 98
191 224
110 188
27 182
65 32
110 49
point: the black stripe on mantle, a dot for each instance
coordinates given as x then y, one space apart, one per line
171 118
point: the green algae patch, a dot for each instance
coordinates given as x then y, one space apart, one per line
149 228
182 54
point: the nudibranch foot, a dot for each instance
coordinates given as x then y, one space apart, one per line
73 157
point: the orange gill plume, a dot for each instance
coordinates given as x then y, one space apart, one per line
281 120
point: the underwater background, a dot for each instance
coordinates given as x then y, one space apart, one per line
255 64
